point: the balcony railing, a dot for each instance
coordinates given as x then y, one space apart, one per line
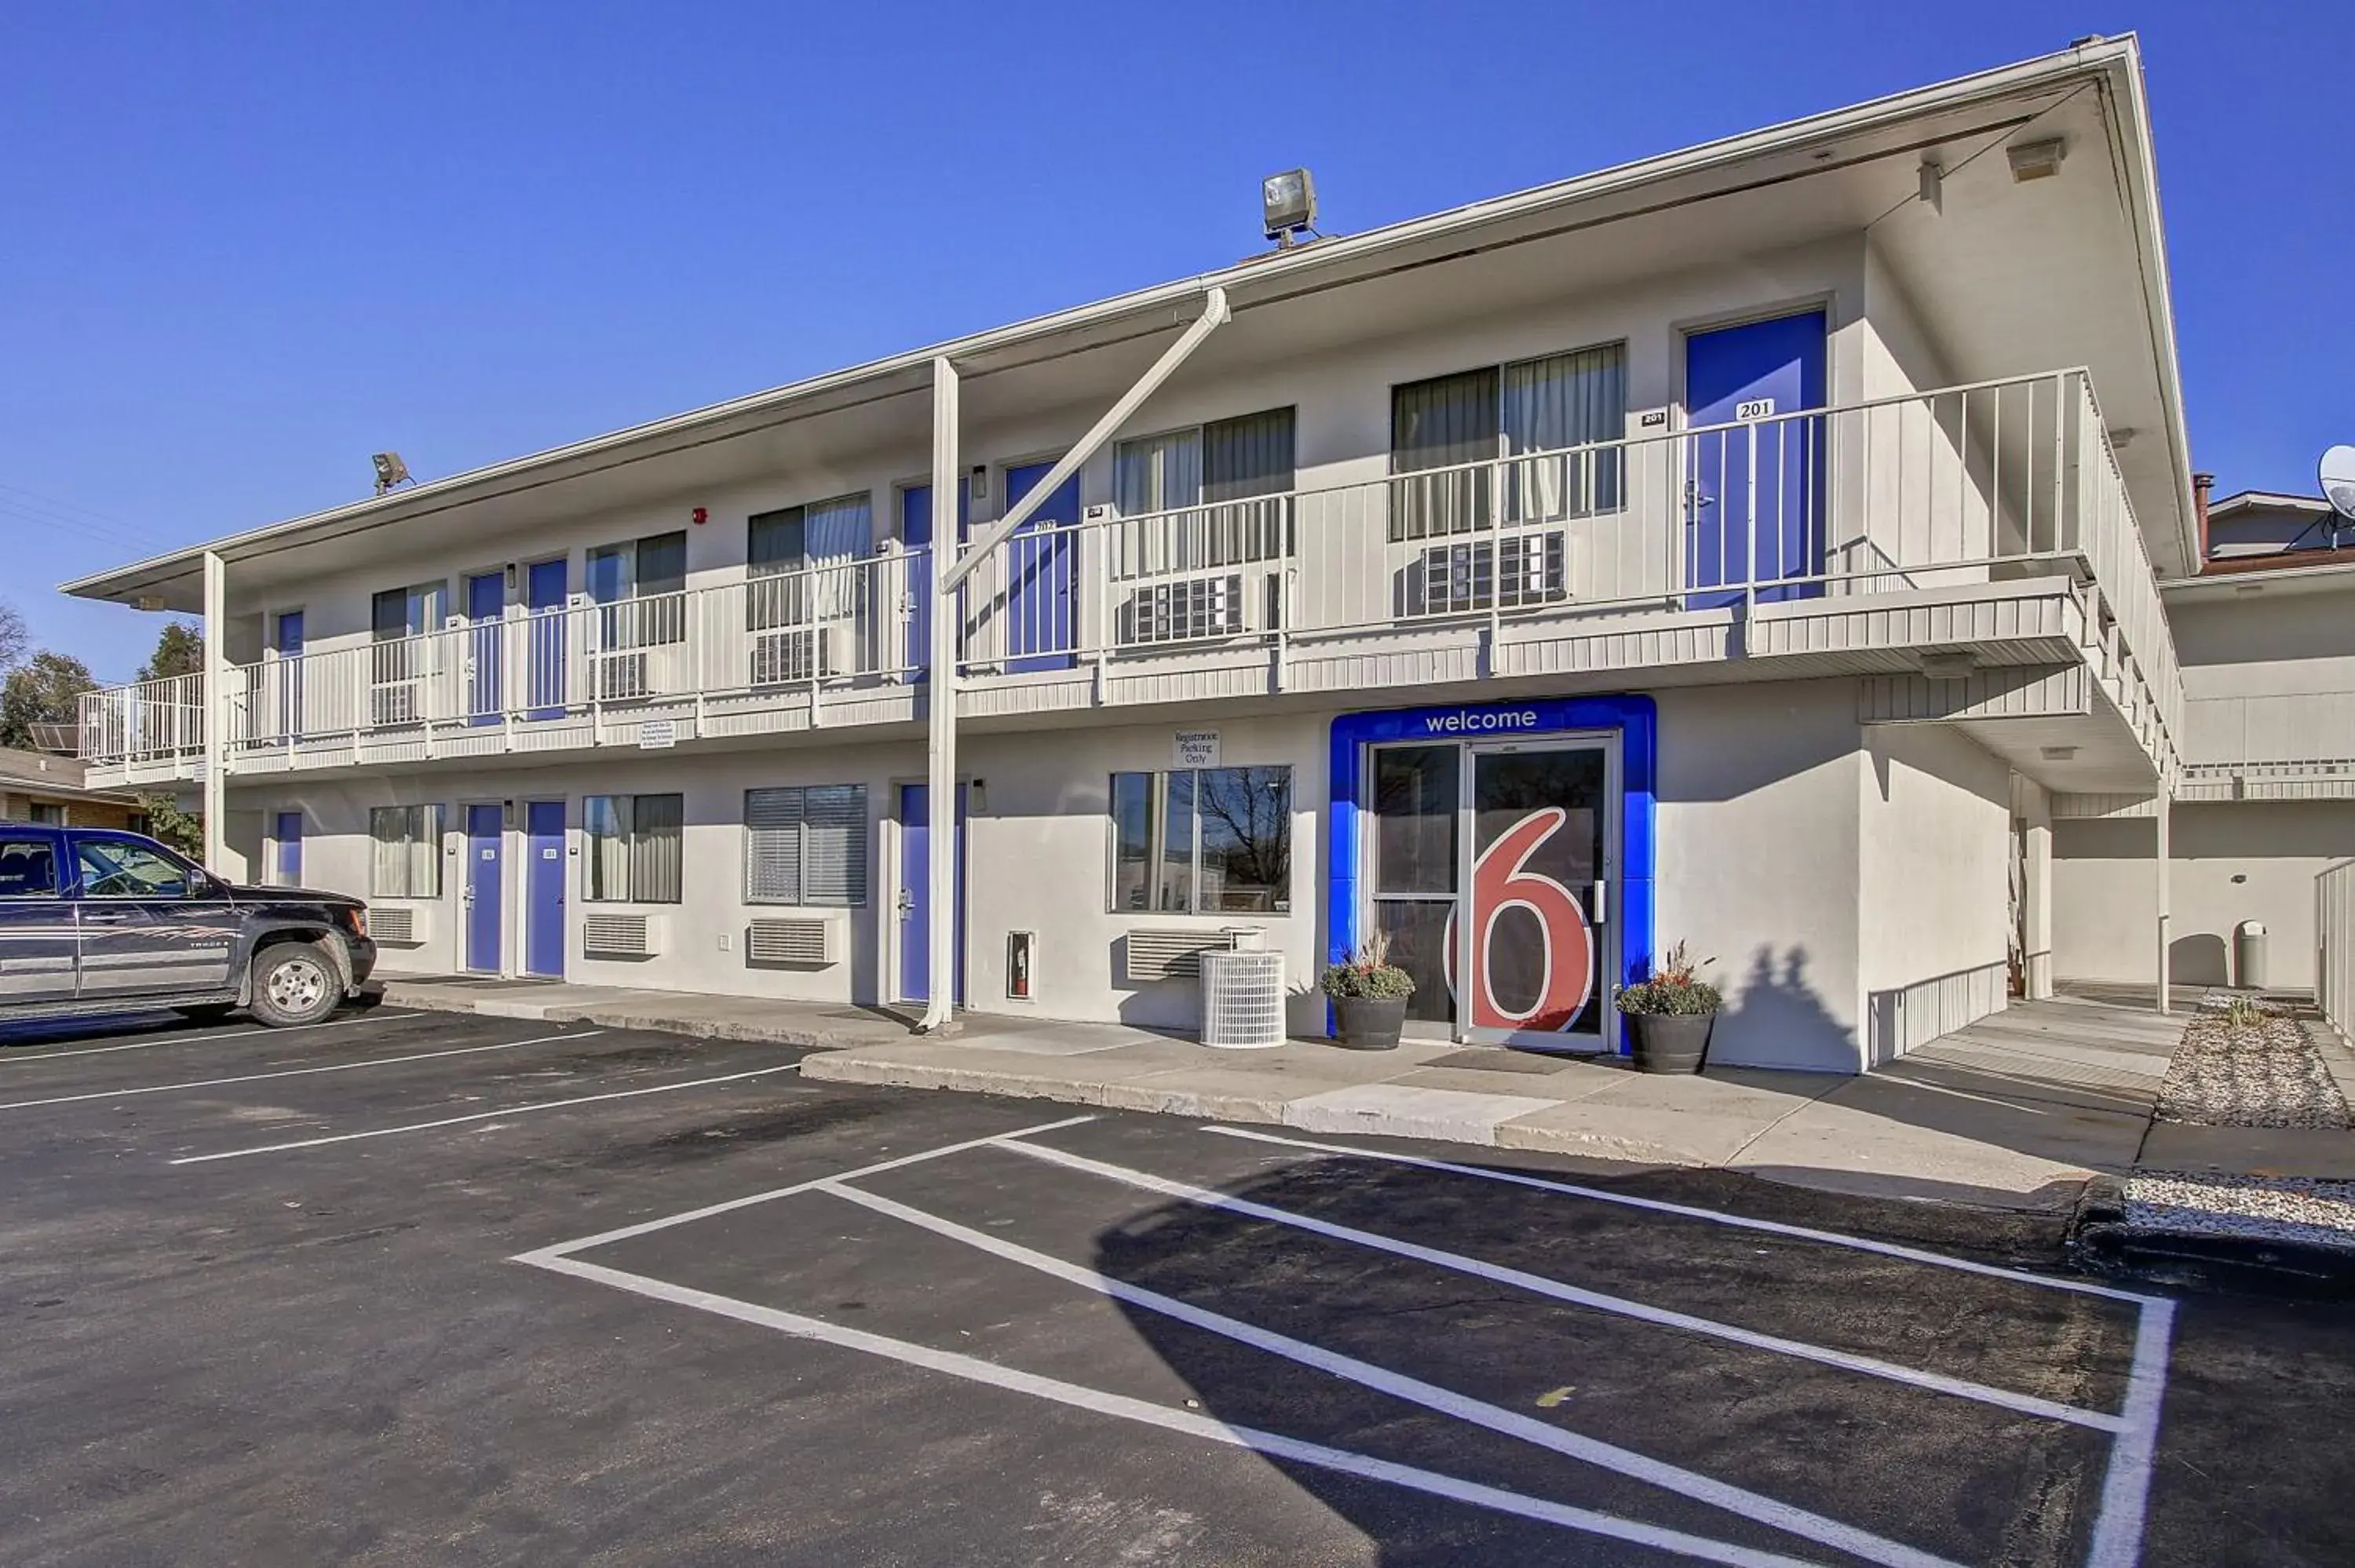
1936 490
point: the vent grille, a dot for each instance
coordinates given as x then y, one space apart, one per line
1176 955
401 927
788 939
619 937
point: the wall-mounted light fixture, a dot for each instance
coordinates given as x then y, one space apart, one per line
2036 160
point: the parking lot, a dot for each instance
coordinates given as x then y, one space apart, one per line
410 1287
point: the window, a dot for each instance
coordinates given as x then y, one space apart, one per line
405 852
800 564
28 868
806 846
46 813
634 848
640 584
1204 841
112 869
408 612
397 619
1527 412
1196 503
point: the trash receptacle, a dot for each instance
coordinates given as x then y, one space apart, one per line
2249 955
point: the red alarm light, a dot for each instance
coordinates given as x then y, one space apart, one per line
702 517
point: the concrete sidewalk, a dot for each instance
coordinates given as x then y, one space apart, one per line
2016 1112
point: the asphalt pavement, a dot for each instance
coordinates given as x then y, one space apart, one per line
423 1288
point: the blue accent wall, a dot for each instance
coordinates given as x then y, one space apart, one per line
1634 717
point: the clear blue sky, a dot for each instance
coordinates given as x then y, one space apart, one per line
242 247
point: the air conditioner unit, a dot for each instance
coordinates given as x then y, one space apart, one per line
1242 1000
808 940
801 653
1227 604
394 704
1148 956
1507 573
399 925
620 677
614 936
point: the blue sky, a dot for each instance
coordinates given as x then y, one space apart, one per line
242 247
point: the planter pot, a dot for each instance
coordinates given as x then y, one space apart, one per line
1370 1023
1670 1042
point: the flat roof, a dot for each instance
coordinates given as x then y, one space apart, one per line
2115 63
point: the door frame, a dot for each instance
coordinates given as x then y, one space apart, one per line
466 809
1632 716
892 944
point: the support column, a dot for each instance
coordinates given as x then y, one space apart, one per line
941 878
2163 861
216 700
2037 925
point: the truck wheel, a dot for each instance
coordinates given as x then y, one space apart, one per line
293 983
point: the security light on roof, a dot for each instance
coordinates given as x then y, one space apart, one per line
389 470
2338 480
1288 202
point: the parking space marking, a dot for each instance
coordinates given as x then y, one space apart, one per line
1753 1506
10 1057
290 1072
2126 1490
484 1116
648 1227
1539 1285
972 1368
1738 1222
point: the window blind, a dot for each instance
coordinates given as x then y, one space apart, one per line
806 846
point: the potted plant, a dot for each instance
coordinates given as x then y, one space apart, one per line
1671 1015
1369 995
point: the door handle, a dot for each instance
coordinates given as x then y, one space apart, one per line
1599 910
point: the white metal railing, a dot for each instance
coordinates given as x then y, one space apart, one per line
2334 929
1949 488
151 721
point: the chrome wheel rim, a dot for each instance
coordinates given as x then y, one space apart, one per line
298 984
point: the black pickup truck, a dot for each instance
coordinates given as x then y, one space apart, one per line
93 921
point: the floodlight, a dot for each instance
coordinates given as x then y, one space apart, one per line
389 470
1288 204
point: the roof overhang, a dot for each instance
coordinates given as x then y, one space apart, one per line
1895 126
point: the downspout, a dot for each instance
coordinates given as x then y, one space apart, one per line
950 567
216 713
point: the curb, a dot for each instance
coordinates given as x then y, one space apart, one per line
616 1018
2102 1241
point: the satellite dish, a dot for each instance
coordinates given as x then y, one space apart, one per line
2339 479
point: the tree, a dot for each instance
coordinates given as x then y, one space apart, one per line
14 637
45 690
184 831
179 651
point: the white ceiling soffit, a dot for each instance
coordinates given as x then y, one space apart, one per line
1987 104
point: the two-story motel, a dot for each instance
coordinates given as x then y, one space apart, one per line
1755 546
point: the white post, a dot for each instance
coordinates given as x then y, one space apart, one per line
216 790
2166 808
941 880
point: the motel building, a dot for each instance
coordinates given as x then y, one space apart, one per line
1758 547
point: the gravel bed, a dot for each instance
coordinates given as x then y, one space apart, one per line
2273 1208
2263 1072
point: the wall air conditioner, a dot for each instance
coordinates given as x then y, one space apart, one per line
398 924
1148 956
795 654
812 940
620 677
1508 572
396 703
611 936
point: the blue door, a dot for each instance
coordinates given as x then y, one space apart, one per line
1754 497
543 889
486 606
1041 563
287 837
485 882
544 599
915 901
286 640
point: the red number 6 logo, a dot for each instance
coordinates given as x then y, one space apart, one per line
1498 883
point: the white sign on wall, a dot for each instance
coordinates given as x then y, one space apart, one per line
1754 408
1195 748
655 735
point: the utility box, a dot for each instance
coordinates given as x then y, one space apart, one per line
2249 955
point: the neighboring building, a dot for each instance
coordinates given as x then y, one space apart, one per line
36 787
2267 797
1746 548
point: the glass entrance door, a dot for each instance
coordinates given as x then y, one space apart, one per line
1524 837
1535 951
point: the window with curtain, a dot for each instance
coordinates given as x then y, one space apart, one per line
641 584
633 844
1215 495
398 620
1438 426
405 852
1202 840
1530 411
806 846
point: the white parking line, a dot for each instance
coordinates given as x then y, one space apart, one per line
483 1115
1120 1406
1539 1285
2126 1490
291 1072
1739 1222
1756 1506
647 1227
10 1057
